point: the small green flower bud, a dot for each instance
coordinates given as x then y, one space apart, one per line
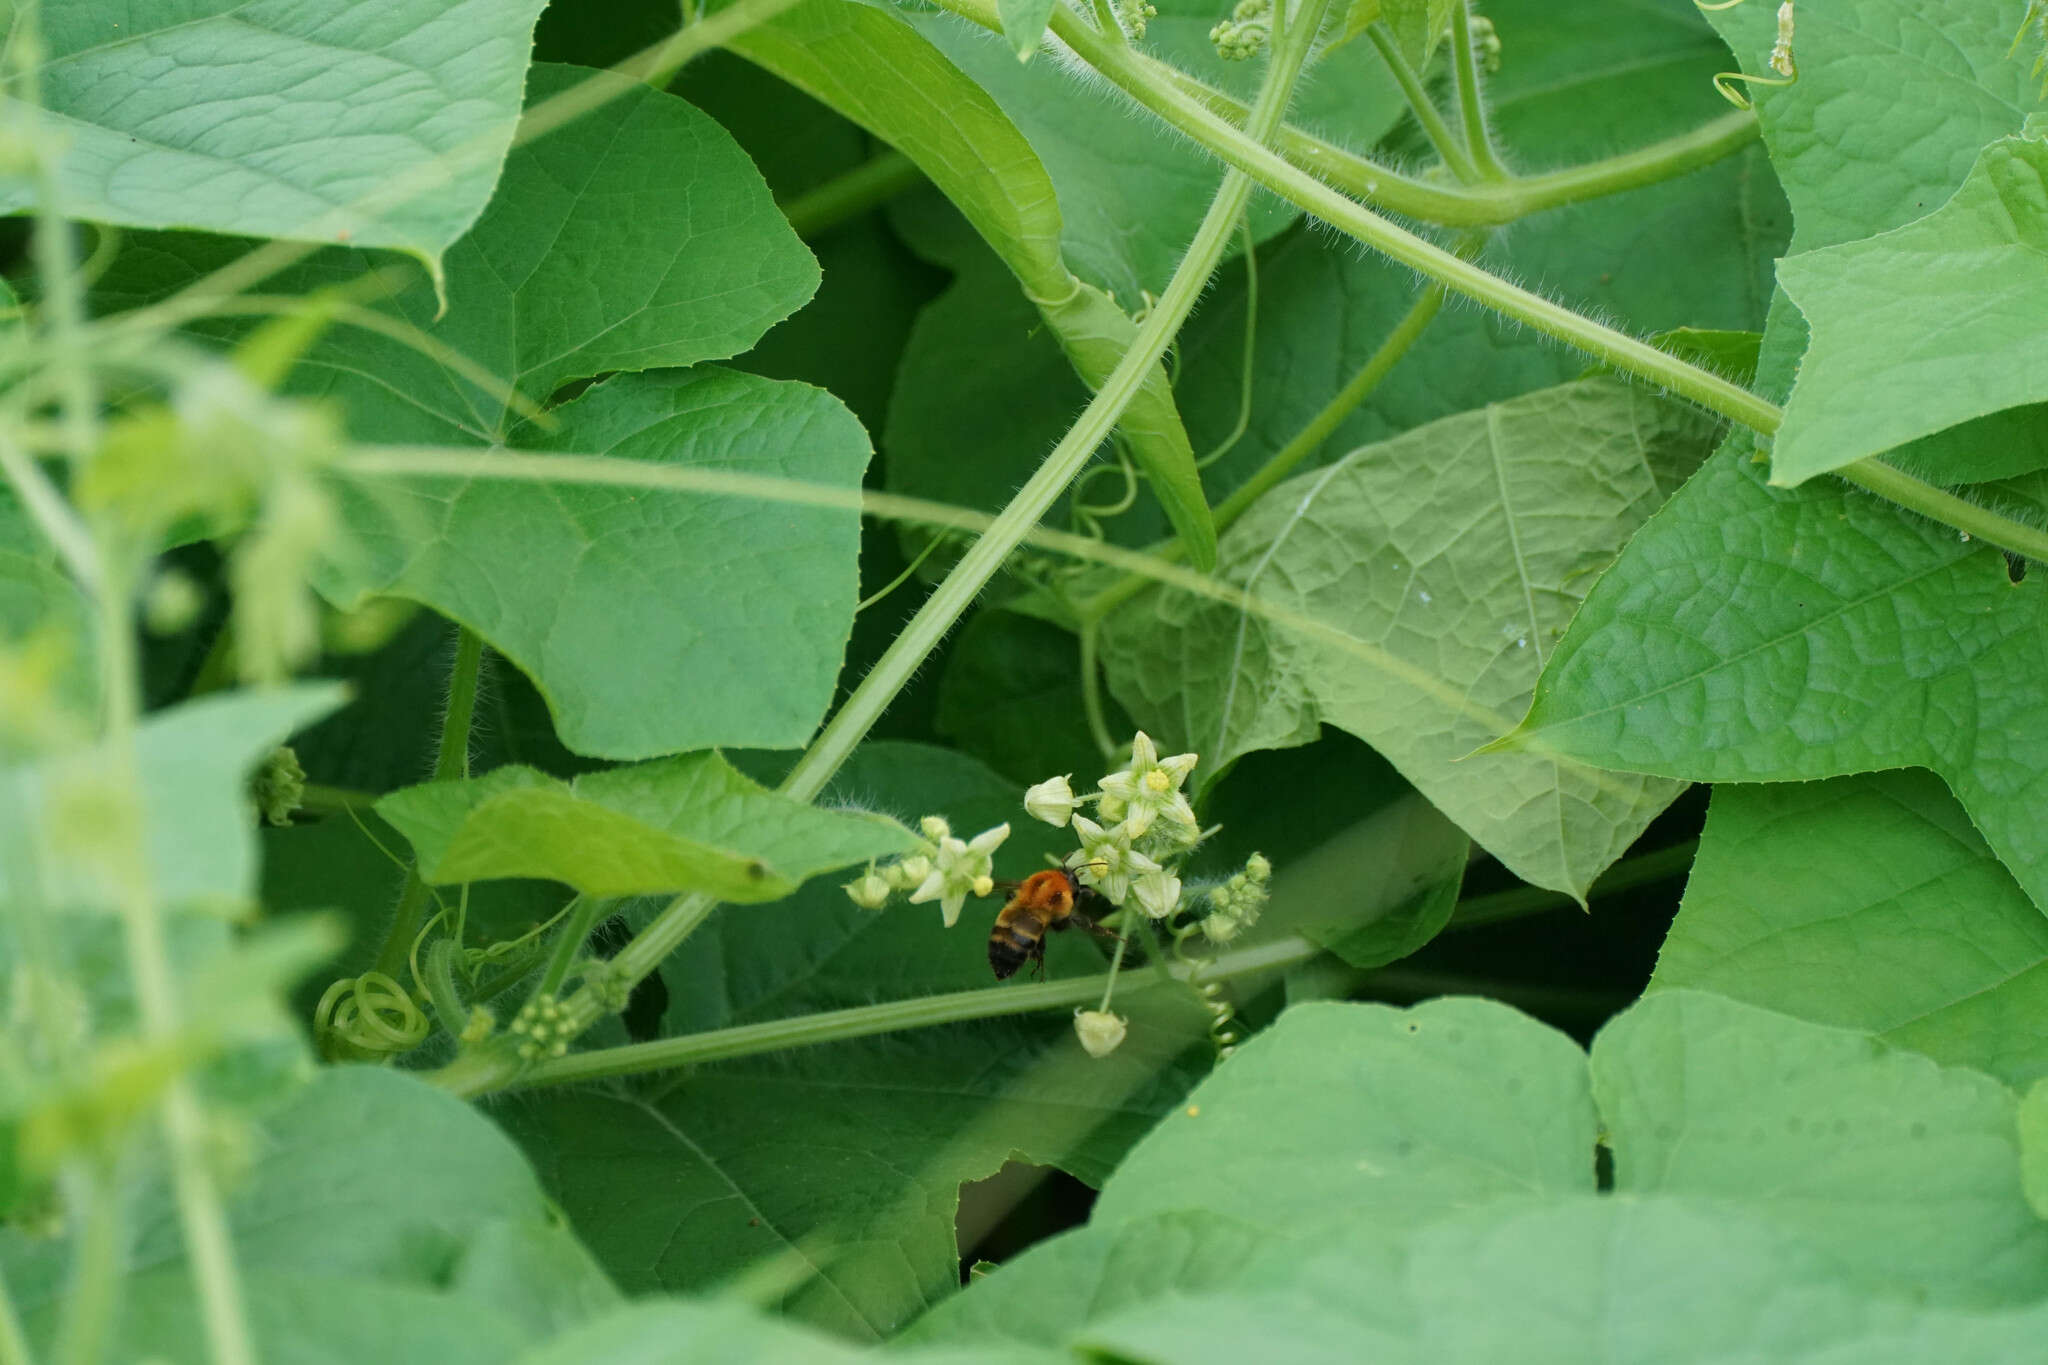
935 828
1100 1032
870 892
279 786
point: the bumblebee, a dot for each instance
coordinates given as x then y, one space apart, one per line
1051 900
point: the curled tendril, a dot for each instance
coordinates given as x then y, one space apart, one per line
1215 1000
367 1017
1781 59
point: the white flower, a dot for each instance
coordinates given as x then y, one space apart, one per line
1157 893
1109 861
1149 789
960 870
870 892
1052 801
1100 1032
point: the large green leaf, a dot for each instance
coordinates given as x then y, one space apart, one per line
1560 1282
826 1180
1867 902
1927 326
886 77
1900 1173
652 621
375 1214
587 261
1365 1183
383 125
1453 556
1892 104
1348 1113
681 824
1755 634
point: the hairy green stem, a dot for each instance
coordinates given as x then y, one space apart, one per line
451 760
1423 107
1641 870
325 800
569 943
1471 99
867 186
833 1026
957 591
1936 504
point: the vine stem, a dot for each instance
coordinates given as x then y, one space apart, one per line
957 591
929 1011
1471 100
1424 108
451 760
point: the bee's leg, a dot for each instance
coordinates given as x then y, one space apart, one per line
1081 921
1038 962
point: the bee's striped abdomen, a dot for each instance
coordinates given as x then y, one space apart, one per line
1014 941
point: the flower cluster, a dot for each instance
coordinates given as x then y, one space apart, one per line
1235 906
1240 37
947 869
1144 825
1133 15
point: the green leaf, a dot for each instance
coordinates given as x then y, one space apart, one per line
1453 556
1564 1280
385 126
651 621
1346 1113
376 1213
668 1332
1869 903
827 1178
1927 326
1889 110
198 821
885 77
695 264
1087 1273
1902 1174
689 823
1024 24
1755 634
